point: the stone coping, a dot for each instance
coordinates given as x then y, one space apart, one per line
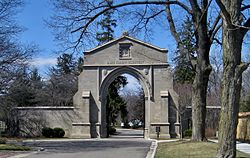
84 124
208 107
46 108
244 114
80 124
117 65
160 124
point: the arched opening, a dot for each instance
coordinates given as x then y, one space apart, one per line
133 121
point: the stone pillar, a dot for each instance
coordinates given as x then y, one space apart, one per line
86 103
82 129
177 124
165 132
147 118
104 125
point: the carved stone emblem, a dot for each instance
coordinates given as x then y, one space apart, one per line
124 50
146 71
104 72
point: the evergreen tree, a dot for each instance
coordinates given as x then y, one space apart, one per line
245 105
34 75
35 79
107 24
65 64
20 92
115 103
79 65
62 84
184 72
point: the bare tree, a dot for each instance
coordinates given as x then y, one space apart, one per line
135 104
185 91
59 89
245 84
235 27
12 55
215 78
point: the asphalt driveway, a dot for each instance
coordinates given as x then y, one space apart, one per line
105 148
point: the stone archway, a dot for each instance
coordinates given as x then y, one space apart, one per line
145 62
109 78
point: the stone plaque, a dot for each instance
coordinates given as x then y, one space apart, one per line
124 50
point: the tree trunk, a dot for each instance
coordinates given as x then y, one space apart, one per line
200 84
203 69
231 87
232 77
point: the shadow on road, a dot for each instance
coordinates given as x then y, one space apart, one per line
128 133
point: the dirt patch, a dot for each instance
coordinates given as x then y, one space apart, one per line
6 154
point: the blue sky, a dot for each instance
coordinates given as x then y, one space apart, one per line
36 11
32 18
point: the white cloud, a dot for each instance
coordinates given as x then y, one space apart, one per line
43 61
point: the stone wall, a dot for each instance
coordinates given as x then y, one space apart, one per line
31 120
212 120
243 128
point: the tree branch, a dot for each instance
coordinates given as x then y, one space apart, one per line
215 32
217 40
245 7
172 26
91 19
241 68
145 20
195 6
217 20
225 13
176 36
246 27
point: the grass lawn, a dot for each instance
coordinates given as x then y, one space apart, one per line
13 147
188 149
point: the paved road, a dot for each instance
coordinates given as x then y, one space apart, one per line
105 148
243 147
127 133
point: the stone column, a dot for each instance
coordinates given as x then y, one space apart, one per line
86 103
147 118
177 124
104 125
165 132
81 128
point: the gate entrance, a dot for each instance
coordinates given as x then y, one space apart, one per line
104 91
145 62
125 108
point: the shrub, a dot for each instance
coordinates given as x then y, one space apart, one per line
112 130
58 132
188 133
3 141
47 132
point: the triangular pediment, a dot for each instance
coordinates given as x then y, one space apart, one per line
125 51
122 39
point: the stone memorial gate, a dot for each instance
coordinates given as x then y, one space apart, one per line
147 63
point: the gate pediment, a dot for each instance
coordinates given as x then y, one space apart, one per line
125 51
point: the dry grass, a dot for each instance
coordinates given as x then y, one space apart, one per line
13 147
188 149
